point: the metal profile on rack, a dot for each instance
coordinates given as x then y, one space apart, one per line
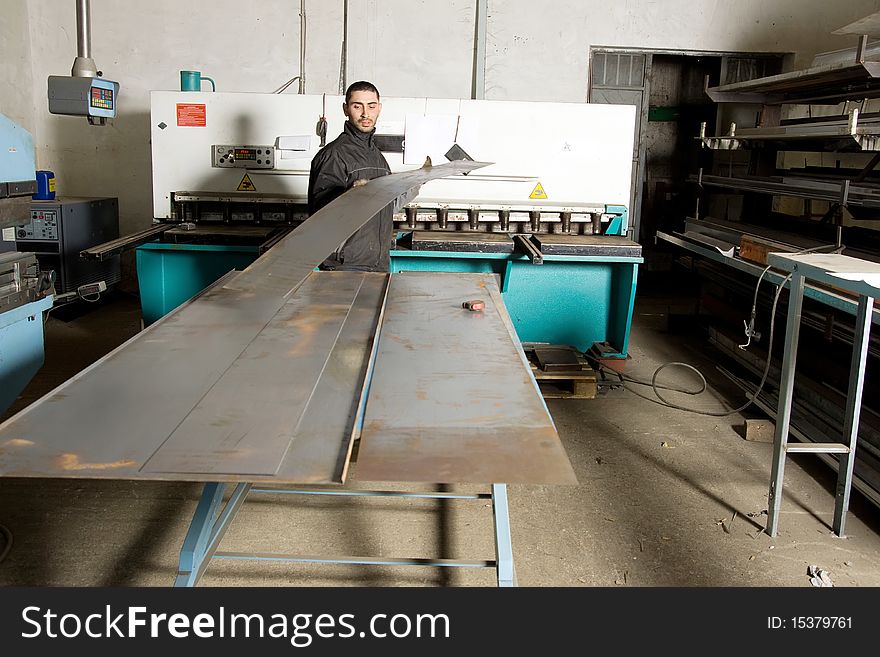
829 84
851 132
857 195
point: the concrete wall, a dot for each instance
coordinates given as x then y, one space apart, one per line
535 51
540 50
16 76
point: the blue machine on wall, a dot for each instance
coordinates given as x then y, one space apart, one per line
24 292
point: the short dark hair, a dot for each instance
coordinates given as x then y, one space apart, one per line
360 85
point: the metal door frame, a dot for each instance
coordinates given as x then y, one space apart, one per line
639 175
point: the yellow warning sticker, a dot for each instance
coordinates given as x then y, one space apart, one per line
538 192
247 185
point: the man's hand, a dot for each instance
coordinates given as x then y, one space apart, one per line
359 183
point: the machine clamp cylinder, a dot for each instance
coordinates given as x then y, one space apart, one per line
411 216
565 217
535 218
474 219
504 218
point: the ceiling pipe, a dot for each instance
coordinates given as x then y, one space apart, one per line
478 87
302 47
343 56
84 65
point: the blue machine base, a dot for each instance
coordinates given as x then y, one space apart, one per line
21 348
571 300
171 274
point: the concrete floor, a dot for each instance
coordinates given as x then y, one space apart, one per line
657 492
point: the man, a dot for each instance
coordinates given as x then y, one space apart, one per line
353 156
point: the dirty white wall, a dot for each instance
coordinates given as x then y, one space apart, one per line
535 51
540 49
16 77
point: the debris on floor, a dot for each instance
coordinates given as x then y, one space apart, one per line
819 576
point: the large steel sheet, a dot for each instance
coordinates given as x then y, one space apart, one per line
283 267
452 398
110 419
247 421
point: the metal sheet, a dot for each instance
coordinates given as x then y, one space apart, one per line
287 264
435 240
870 25
859 196
110 418
321 446
246 422
828 84
222 230
844 272
452 398
107 422
588 245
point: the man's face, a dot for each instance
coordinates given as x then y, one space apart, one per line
363 110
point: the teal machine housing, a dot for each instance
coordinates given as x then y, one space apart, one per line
24 294
170 274
580 295
21 347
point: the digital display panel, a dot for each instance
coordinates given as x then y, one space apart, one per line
245 154
102 98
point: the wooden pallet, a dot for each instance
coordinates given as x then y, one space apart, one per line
576 380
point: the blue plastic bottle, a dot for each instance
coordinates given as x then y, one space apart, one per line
45 186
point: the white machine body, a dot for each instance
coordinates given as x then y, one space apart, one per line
547 157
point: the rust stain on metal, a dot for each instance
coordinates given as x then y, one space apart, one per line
18 442
406 342
70 463
308 325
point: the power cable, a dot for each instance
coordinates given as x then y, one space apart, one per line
750 332
7 535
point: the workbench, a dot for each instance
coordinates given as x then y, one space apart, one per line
277 399
847 275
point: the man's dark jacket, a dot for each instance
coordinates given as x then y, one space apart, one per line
352 156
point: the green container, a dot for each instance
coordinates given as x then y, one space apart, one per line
171 274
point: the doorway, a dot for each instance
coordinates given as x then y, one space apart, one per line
667 88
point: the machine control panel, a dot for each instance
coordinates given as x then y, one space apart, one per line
83 96
233 156
43 226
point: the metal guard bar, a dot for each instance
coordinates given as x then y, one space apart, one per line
209 525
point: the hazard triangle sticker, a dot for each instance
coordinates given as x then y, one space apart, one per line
538 192
247 185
